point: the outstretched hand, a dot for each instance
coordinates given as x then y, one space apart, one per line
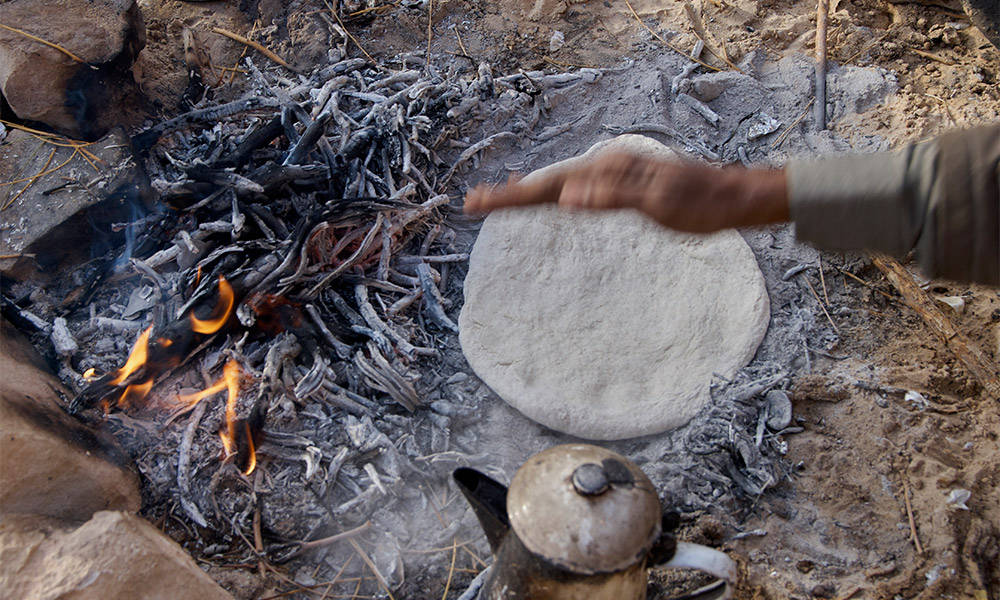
680 195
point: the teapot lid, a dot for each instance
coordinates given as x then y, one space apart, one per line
584 508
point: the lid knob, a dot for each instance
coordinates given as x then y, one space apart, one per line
589 479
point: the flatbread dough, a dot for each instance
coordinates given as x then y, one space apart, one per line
605 325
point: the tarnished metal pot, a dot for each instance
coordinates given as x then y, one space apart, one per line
579 522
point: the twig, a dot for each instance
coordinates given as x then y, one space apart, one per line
451 570
822 281
865 283
699 31
47 43
430 30
788 130
352 38
947 109
820 302
909 517
666 43
822 8
867 47
258 542
460 44
371 565
36 176
183 463
336 538
917 299
256 46
931 56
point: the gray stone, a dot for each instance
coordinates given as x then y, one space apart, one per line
779 410
113 556
43 84
40 230
50 464
62 339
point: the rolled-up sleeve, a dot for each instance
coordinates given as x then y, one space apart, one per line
940 198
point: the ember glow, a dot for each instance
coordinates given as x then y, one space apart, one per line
136 358
90 374
221 313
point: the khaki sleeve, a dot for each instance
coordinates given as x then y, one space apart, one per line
940 198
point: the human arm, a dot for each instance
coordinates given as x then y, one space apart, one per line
681 195
941 199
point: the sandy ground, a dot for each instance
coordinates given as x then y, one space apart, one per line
840 528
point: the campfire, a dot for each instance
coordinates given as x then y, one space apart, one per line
281 297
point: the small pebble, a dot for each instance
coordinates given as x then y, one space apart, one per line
779 410
62 339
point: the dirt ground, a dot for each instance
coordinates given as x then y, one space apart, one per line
870 457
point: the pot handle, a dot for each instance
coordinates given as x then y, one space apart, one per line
709 560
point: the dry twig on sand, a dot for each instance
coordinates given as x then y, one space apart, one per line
822 8
666 43
969 354
46 42
909 517
256 46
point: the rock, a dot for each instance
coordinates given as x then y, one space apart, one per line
779 410
62 339
43 84
113 556
50 464
70 221
710 86
854 90
955 303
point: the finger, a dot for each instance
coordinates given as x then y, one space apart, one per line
484 198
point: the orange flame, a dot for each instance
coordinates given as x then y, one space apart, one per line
195 398
135 391
231 379
221 312
230 382
136 358
90 373
252 460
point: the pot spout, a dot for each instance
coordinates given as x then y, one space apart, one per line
488 499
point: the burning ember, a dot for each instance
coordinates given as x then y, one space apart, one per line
238 439
221 313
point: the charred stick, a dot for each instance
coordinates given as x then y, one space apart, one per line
444 258
403 303
310 136
373 320
473 149
342 349
362 250
144 140
433 301
256 139
184 463
311 379
380 375
822 8
337 398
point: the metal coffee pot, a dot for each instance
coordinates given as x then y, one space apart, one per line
581 522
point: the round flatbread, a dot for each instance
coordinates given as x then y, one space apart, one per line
605 325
